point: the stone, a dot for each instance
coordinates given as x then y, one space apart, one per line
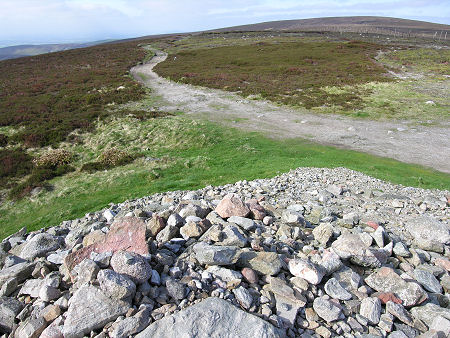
441 324
20 272
31 328
329 262
175 220
427 280
12 260
155 278
385 297
154 226
232 205
50 312
351 247
323 233
91 309
398 311
429 233
101 259
224 274
428 312
370 308
39 245
232 236
348 278
8 287
250 275
401 250
215 254
243 222
265 263
397 334
94 237
306 270
57 257
54 330
48 293
166 234
213 317
109 215
131 265
194 229
116 285
288 301
443 263
9 309
256 210
293 217
85 272
335 290
326 309
244 297
125 234
386 280
176 289
31 287
131 325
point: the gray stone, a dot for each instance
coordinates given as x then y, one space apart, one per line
288 301
31 328
266 263
323 233
224 274
428 312
176 289
427 280
131 265
12 260
131 325
166 234
306 270
39 245
116 285
48 293
349 279
85 272
326 309
335 290
429 233
441 324
20 272
245 223
386 280
401 250
371 309
243 297
175 220
9 309
293 217
91 309
215 254
232 237
398 311
8 287
397 334
31 287
212 317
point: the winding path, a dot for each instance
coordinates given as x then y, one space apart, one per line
424 145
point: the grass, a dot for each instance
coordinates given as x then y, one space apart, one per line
285 72
186 154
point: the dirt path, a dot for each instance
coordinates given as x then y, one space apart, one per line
428 146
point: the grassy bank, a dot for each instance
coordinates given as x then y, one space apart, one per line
177 153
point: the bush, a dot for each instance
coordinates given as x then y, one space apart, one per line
110 158
3 140
14 163
54 158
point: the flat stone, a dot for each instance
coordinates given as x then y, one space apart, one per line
131 325
131 265
9 309
386 280
125 234
245 223
31 287
288 301
326 309
306 270
398 311
91 309
215 254
224 274
429 233
232 205
265 263
232 236
39 245
213 317
57 257
31 328
335 290
427 280
370 308
116 285
20 272
428 312
293 217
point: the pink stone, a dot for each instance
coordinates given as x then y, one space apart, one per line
232 205
443 263
373 225
250 275
126 234
256 210
385 297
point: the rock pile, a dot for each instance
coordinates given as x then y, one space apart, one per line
314 252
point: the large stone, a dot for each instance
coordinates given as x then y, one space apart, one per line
428 312
91 309
166 234
131 325
398 311
351 247
194 229
9 309
265 263
288 301
155 225
256 210
323 233
39 245
215 254
245 223
326 309
428 281
116 285
429 233
386 280
31 328
212 317
20 272
371 309
232 236
306 270
232 205
125 234
335 290
131 265
176 289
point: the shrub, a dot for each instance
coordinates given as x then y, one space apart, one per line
14 163
3 140
113 157
54 158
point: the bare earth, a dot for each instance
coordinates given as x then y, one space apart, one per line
400 140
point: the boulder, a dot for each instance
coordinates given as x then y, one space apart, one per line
9 309
232 205
116 285
215 254
265 263
131 265
39 245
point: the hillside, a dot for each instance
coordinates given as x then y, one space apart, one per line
371 24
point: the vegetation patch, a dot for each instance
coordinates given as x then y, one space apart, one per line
285 72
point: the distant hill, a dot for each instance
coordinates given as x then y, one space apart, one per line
366 24
13 52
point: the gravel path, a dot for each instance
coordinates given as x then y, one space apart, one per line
400 140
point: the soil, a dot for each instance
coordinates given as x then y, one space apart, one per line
401 140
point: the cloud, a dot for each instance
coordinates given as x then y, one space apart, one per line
83 20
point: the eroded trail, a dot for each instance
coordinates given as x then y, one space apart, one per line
428 146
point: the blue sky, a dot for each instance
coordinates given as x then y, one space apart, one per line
42 21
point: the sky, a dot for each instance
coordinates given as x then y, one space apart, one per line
62 21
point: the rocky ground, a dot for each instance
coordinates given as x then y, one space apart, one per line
314 252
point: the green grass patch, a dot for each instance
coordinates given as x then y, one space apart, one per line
182 154
285 72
